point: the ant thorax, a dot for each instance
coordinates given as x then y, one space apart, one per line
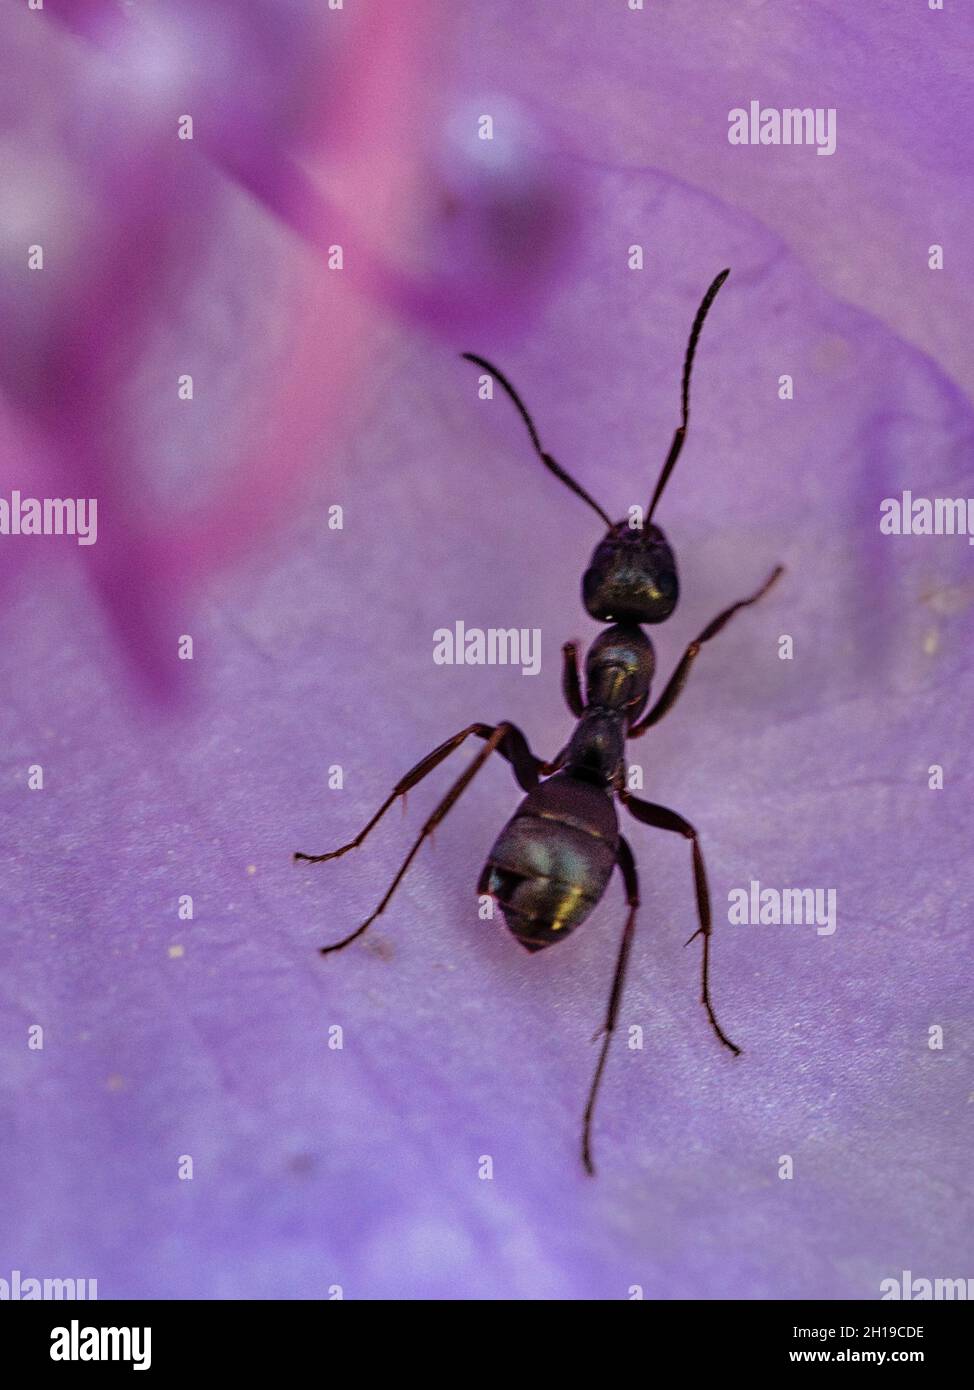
619 670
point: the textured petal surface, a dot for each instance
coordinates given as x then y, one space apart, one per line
360 1166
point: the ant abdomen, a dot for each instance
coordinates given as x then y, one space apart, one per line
551 862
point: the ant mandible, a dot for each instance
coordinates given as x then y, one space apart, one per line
553 860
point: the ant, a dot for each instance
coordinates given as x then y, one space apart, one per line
553 860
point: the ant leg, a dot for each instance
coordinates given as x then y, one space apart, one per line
571 685
494 741
514 748
627 866
663 819
679 677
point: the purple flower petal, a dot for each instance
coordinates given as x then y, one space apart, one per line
359 1167
143 238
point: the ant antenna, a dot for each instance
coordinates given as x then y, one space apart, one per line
681 432
546 459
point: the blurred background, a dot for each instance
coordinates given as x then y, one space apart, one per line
313 251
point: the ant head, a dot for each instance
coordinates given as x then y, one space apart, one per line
631 576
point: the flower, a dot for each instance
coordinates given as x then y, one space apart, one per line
356 1160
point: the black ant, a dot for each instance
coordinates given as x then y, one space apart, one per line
553 859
